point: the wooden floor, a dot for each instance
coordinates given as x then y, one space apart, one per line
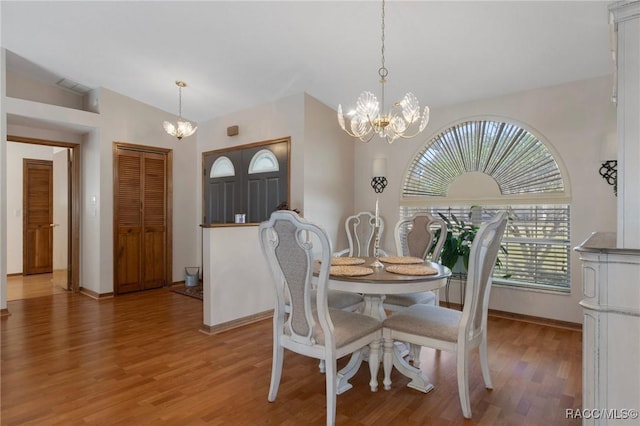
38 285
139 359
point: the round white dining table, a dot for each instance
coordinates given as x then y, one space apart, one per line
374 287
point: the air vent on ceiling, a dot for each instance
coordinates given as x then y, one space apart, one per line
78 88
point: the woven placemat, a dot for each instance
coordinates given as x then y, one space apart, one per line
350 271
411 269
401 260
347 260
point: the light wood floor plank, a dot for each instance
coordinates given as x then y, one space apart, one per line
139 359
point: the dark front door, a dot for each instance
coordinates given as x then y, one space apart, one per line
223 194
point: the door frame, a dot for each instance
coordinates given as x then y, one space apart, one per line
169 205
73 238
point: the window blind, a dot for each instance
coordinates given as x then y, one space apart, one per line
537 242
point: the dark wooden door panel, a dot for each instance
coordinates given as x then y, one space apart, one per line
38 216
141 220
128 276
155 221
39 243
129 189
154 258
128 218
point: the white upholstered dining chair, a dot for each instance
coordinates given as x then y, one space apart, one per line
420 230
361 232
310 327
452 330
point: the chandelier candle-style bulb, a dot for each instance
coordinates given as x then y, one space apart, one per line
403 120
182 128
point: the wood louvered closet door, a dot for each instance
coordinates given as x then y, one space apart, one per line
141 240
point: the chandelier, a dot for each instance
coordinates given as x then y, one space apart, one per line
402 121
182 129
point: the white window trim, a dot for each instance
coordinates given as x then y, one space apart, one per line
222 162
259 156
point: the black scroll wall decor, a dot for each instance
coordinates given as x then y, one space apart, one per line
609 171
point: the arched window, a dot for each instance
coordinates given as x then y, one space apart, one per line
473 169
222 167
263 161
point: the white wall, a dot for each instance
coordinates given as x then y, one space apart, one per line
23 87
282 118
574 119
321 155
328 171
321 188
231 289
275 120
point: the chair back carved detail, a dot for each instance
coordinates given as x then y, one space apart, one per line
361 231
420 236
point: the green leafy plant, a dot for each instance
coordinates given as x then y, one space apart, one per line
458 241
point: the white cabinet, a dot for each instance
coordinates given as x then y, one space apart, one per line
611 331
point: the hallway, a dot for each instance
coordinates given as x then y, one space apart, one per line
29 286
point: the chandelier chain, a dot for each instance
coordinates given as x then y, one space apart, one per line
382 72
182 128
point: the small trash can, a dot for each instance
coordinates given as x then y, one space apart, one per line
191 276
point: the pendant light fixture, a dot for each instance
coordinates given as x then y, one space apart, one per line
183 128
403 120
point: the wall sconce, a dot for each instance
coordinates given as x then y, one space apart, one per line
378 175
609 171
609 168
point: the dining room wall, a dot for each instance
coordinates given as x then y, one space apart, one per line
328 171
321 188
321 182
574 119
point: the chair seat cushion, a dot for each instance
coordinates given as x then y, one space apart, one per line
406 300
348 327
337 299
426 320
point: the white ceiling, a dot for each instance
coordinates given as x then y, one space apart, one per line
238 54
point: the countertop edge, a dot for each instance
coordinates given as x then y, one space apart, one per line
604 242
